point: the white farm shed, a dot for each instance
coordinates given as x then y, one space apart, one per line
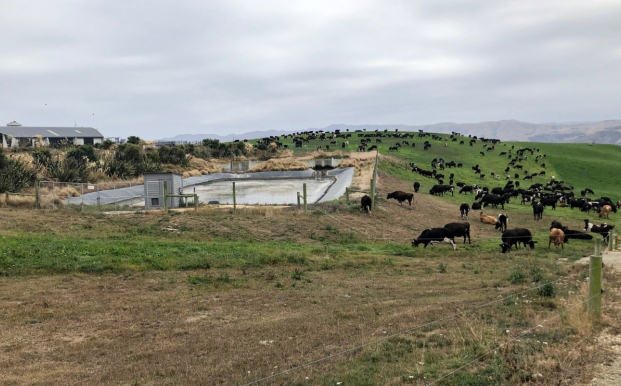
15 135
154 189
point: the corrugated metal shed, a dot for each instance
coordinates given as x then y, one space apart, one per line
50 132
154 189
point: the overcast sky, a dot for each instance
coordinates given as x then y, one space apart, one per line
160 68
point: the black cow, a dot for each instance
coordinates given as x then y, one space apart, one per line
603 229
577 235
434 234
557 225
416 187
466 189
437 190
459 229
464 208
503 219
365 203
537 210
516 236
401 196
494 200
476 206
549 201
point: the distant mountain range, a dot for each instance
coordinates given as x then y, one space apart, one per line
607 132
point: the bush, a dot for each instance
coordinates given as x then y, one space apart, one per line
211 143
130 153
14 175
547 290
517 277
119 169
174 155
79 153
132 139
107 144
67 170
42 156
442 268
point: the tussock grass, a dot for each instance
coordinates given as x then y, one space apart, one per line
279 165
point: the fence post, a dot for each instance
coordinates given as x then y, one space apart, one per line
98 199
347 195
372 194
114 187
195 201
37 200
595 282
82 205
165 197
304 193
234 198
299 206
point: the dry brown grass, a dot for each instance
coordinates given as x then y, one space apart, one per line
279 165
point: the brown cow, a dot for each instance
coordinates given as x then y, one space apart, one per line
487 219
557 237
606 209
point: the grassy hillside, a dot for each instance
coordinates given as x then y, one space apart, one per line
579 165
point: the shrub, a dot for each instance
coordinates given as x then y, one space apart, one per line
174 155
211 143
547 290
132 139
517 277
130 153
67 170
119 169
442 268
107 144
14 175
42 156
81 152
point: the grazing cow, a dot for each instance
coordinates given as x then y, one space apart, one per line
459 229
482 153
434 234
606 209
365 203
476 206
401 196
505 247
557 237
464 208
494 200
487 219
503 219
515 236
467 189
416 187
437 190
537 210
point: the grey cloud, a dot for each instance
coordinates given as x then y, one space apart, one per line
159 68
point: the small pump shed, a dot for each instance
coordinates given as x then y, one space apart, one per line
154 189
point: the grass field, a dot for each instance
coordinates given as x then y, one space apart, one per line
209 297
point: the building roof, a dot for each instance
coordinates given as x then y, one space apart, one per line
50 132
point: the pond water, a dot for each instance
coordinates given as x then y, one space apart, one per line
269 192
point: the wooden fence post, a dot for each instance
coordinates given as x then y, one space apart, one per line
595 282
372 194
299 206
234 198
37 199
165 197
195 202
347 195
304 195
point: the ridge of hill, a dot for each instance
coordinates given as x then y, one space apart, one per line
608 131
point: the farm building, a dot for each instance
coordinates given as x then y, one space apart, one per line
16 135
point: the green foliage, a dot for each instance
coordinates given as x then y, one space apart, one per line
67 170
517 277
107 144
211 143
14 175
442 268
132 139
82 152
174 155
119 169
42 156
547 290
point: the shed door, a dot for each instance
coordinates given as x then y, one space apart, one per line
155 194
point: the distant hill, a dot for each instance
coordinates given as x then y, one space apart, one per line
608 132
